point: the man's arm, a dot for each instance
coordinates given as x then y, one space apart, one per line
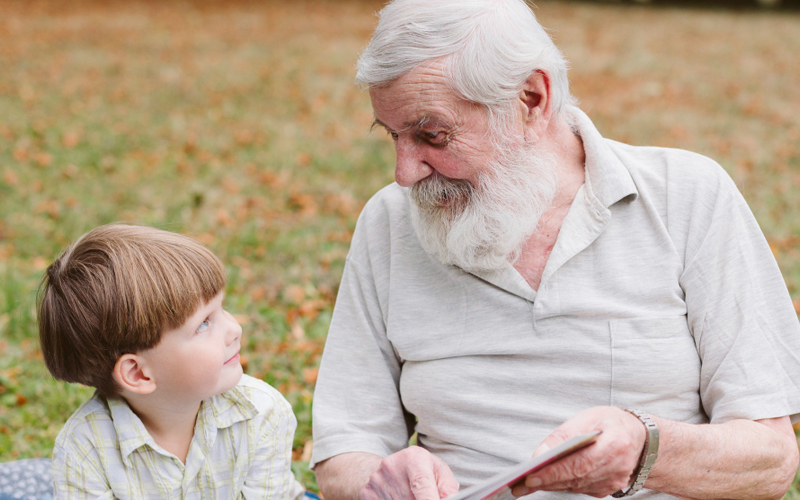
739 459
344 476
412 473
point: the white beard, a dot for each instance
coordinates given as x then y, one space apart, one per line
483 228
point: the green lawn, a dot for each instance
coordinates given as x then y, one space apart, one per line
238 122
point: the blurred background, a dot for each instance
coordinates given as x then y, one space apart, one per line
237 122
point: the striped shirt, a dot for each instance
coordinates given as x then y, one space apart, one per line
241 449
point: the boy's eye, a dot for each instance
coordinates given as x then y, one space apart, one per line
203 327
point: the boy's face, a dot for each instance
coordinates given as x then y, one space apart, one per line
200 358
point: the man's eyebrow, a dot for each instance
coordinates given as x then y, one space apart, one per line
377 123
415 124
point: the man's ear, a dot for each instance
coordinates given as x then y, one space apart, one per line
535 105
132 374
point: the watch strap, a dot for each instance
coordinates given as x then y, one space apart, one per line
648 457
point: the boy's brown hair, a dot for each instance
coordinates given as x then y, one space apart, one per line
115 291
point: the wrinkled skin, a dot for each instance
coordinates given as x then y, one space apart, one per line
599 469
411 473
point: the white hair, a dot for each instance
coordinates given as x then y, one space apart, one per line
489 48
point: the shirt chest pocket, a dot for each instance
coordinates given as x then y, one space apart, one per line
655 367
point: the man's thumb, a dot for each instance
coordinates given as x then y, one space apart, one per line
445 480
541 449
423 487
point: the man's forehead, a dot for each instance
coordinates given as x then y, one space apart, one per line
420 97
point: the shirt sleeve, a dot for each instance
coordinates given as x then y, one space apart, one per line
739 310
270 474
357 404
76 476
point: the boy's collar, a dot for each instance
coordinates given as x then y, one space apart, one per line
230 407
218 412
131 432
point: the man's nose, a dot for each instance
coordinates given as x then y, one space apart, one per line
411 163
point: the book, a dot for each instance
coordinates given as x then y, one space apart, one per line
498 487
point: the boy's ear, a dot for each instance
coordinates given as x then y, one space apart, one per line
132 374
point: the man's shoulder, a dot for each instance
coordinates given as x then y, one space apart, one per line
384 226
673 173
662 160
391 201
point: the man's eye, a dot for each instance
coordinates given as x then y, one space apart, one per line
394 135
434 137
203 327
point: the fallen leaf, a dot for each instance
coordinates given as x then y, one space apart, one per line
44 159
224 217
10 177
71 139
303 203
311 308
298 332
307 449
39 263
294 293
310 375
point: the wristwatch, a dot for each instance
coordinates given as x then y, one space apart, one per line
648 458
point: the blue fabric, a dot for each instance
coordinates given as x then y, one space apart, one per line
4 496
33 480
26 480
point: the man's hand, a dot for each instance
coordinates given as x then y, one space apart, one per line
599 469
410 474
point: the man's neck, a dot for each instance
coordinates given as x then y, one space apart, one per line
170 425
567 148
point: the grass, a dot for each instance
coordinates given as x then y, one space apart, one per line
238 123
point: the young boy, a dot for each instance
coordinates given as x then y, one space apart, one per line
137 313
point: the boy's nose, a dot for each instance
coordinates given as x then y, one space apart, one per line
234 332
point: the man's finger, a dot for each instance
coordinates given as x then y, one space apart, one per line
446 482
423 485
541 449
520 490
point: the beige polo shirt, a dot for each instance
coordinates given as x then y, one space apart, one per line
660 294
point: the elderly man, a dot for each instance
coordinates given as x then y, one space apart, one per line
526 280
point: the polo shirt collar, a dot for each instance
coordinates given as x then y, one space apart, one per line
606 177
607 181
